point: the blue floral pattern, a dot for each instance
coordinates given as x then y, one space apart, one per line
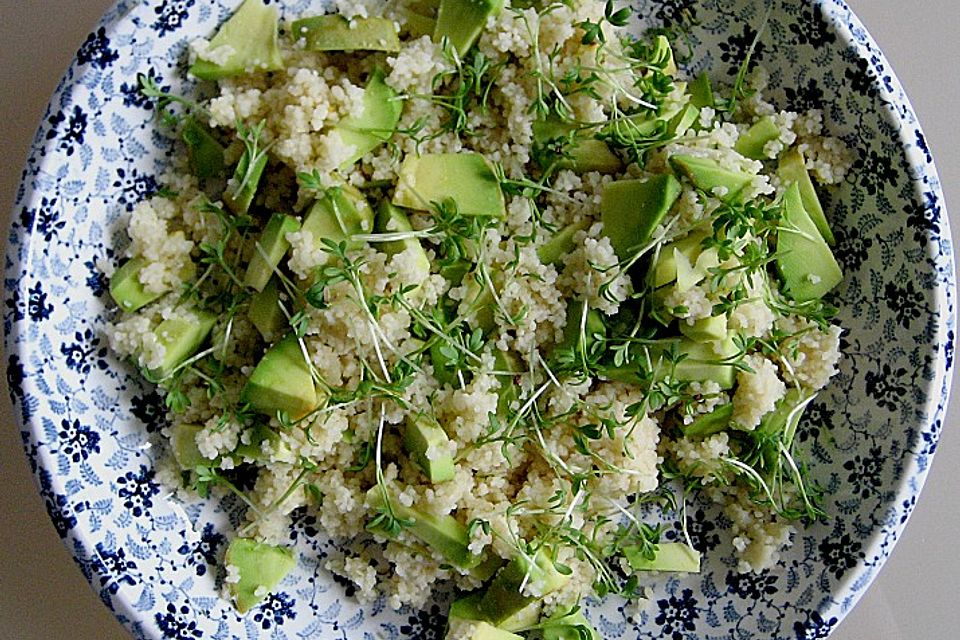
88 420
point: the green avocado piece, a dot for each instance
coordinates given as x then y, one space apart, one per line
751 144
183 442
560 244
422 432
462 21
707 175
419 17
333 32
204 152
663 52
253 450
391 219
584 153
701 361
127 290
375 124
246 180
569 626
779 426
257 565
464 178
805 262
503 597
632 209
575 339
282 382
665 269
684 119
792 169
181 337
269 250
478 304
507 366
251 34
705 329
480 630
265 312
701 91
339 214
676 557
467 608
710 423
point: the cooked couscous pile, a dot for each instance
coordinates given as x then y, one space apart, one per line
486 298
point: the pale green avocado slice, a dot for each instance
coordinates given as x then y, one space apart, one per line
420 17
569 626
246 181
503 597
707 175
205 152
664 269
684 119
480 630
333 32
751 144
710 423
585 154
127 290
282 382
391 219
181 338
705 329
701 92
467 608
662 51
183 442
805 262
632 209
561 244
269 250
507 365
792 169
420 433
671 556
257 565
463 178
462 21
575 338
341 212
252 35
700 365
478 304
375 124
265 312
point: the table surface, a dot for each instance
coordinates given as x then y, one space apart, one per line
44 596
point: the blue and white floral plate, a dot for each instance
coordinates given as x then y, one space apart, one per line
88 419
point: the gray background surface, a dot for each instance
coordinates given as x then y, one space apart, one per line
44 597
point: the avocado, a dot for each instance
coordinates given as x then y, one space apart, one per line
701 91
420 434
462 21
246 180
253 450
257 565
419 17
375 124
806 265
205 153
792 169
183 442
333 32
480 630
464 178
391 219
664 270
507 366
269 250
584 154
561 244
684 119
341 212
265 312
568 626
671 556
467 608
181 337
575 339
282 382
707 175
709 423
478 305
705 329
632 209
699 365
444 367
663 53
503 597
251 34
127 290
753 141
779 426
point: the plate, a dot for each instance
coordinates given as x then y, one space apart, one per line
89 420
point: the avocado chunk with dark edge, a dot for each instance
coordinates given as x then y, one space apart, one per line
568 626
561 244
181 338
753 142
391 219
792 169
581 153
204 152
463 178
700 362
375 124
504 598
333 32
127 290
805 262
709 176
251 34
183 442
259 567
462 21
269 250
676 557
245 182
710 423
632 209
701 92
341 213
422 434
468 608
420 17
282 382
706 329
265 313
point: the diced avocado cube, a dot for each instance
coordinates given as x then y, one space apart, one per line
569 626
467 608
684 119
246 180
561 244
374 124
710 177
251 35
480 630
429 446
584 154
282 382
705 329
253 449
205 152
710 423
333 32
754 140
127 290
632 209
391 219
462 21
265 312
701 91
463 178
183 441
259 567
269 250
671 556
504 598
181 338
664 269
341 213
419 17
703 362
803 258
792 169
